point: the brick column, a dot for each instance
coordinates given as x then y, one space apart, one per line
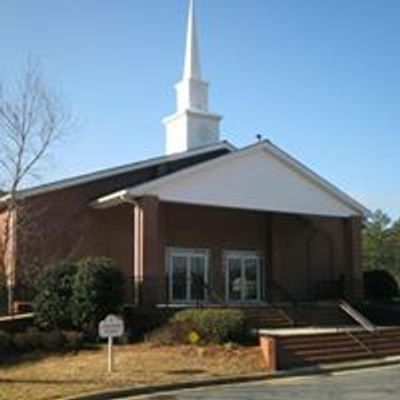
149 252
354 272
269 257
268 349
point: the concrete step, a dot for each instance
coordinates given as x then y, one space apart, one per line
319 338
264 317
350 348
336 357
322 349
318 345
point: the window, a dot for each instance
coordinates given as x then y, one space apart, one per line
243 276
187 275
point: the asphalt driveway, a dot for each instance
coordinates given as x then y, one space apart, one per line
373 384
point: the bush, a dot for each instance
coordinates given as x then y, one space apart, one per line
73 340
175 332
52 303
140 321
53 341
97 291
5 343
380 285
34 339
30 340
215 325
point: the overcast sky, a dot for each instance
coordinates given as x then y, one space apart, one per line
319 78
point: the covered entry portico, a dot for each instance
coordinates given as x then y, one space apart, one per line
200 254
234 229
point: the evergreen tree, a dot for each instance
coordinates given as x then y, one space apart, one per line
381 244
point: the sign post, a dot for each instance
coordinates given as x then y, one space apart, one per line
111 327
110 354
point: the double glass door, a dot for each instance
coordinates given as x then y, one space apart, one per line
188 275
243 277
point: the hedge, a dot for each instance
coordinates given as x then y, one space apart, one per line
201 326
5 343
33 340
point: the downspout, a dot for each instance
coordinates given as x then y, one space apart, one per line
11 260
136 298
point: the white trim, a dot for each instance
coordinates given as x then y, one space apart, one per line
79 180
242 255
188 253
195 113
280 155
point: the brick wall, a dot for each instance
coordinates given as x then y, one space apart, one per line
61 224
301 253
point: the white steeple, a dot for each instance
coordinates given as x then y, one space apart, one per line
192 56
192 125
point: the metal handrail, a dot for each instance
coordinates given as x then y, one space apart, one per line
357 316
360 343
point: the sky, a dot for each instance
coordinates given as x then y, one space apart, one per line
319 78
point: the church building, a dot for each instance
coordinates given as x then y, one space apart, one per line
206 223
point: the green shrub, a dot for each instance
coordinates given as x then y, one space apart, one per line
33 339
97 291
30 340
215 325
73 340
140 321
52 303
53 341
380 285
6 345
173 333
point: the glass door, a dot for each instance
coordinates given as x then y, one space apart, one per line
188 272
243 277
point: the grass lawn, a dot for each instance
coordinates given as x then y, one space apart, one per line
57 376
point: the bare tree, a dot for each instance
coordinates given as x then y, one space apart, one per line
32 120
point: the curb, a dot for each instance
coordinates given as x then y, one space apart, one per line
226 380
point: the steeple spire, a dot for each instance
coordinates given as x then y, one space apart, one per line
192 57
192 125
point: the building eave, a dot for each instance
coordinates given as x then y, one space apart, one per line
151 187
106 173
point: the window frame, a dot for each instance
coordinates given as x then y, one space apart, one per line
188 253
260 273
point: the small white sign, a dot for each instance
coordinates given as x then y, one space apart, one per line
111 327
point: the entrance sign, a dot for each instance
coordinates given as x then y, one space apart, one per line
111 327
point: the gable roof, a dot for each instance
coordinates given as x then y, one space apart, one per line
258 177
110 172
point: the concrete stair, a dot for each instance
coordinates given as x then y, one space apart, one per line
319 315
315 349
383 344
267 317
286 316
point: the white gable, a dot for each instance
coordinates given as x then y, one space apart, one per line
258 178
